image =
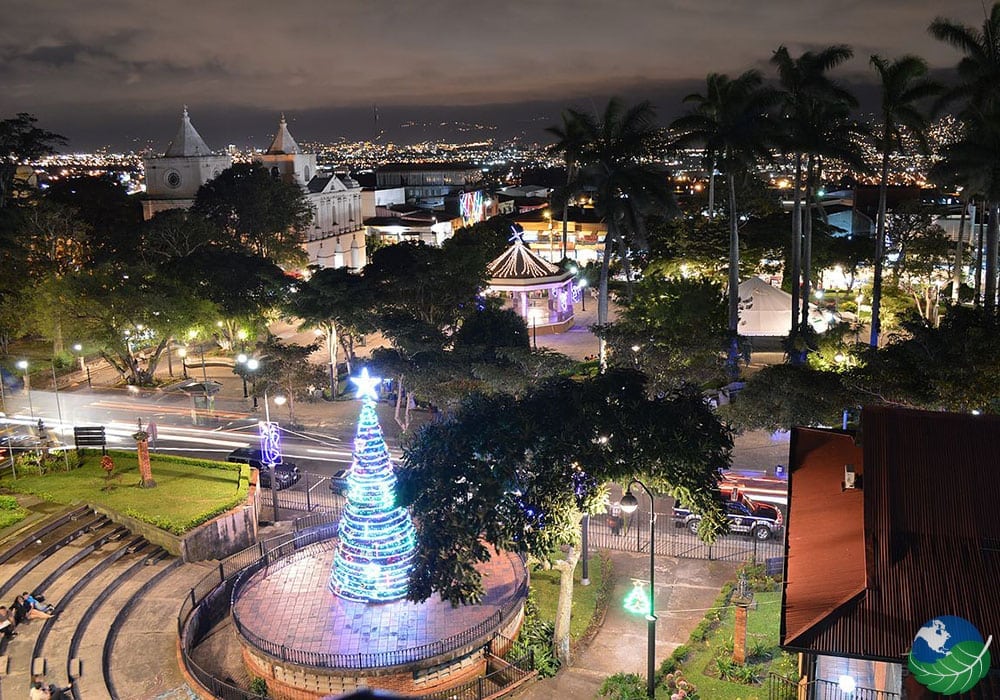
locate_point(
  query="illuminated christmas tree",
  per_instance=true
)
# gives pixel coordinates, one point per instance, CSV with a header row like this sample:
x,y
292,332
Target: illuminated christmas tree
x,y
377,540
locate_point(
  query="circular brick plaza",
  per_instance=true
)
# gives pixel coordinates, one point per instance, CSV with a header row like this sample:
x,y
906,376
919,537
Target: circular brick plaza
x,y
306,642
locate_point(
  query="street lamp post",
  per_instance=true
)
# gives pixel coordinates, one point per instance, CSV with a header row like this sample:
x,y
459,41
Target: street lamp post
x,y
629,504
23,366
182,353
243,359
252,365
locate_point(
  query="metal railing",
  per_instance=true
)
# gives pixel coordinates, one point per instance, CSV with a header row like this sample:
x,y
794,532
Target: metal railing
x,y
675,541
781,688
210,601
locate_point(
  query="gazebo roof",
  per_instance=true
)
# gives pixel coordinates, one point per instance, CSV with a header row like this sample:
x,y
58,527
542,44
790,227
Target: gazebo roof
x,y
519,267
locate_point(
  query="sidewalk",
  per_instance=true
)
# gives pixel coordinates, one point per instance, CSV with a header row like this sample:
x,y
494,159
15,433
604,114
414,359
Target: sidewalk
x,y
685,589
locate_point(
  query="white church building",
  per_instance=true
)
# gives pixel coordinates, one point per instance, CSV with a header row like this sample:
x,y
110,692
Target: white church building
x,y
336,236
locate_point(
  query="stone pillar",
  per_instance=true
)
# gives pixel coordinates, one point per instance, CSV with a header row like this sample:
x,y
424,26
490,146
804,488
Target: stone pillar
x,y
740,635
145,470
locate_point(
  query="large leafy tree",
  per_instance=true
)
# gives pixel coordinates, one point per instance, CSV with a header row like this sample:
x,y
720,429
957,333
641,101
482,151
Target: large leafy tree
x,y
110,214
500,471
176,234
674,330
260,213
21,142
903,86
731,121
131,314
337,303
953,367
786,395
613,154
285,369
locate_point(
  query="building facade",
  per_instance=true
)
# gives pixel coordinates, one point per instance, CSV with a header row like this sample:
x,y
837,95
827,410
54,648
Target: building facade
x,y
336,236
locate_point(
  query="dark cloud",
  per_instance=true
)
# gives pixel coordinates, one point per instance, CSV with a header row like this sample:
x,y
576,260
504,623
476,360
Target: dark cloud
x,y
130,65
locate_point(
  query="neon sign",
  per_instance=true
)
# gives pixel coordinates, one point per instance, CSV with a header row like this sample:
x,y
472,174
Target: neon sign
x,y
270,442
471,205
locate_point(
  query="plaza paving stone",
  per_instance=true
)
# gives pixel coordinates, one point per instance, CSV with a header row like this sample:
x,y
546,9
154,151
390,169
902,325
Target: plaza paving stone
x,y
292,605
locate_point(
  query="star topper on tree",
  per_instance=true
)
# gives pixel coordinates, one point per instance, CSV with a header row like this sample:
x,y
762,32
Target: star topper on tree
x,y
367,386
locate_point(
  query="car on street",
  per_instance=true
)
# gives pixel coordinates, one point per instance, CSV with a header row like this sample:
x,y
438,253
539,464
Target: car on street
x,y
285,474
338,481
746,516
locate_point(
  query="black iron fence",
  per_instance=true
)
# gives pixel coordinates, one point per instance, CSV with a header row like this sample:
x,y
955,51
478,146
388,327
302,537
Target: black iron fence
x,y
781,688
631,534
209,602
312,502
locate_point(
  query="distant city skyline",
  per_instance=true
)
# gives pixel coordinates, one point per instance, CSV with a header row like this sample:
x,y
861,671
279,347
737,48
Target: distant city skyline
x,y
117,73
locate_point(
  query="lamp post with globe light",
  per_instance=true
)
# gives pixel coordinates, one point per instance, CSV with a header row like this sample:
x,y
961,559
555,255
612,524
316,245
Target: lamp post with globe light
x,y
252,366
628,504
242,359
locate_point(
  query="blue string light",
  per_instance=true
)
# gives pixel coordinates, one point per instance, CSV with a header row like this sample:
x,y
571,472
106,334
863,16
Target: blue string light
x,y
377,540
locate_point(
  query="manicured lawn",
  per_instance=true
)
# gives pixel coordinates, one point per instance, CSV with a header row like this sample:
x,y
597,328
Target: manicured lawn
x,y
10,512
545,587
701,668
188,491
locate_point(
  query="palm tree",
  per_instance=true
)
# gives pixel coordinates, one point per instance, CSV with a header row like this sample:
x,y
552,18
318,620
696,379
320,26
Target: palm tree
x,y
976,156
613,156
832,134
903,85
568,144
805,84
730,122
979,90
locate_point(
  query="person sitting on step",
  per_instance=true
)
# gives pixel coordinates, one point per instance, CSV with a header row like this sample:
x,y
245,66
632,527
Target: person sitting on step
x,y
39,603
24,612
7,622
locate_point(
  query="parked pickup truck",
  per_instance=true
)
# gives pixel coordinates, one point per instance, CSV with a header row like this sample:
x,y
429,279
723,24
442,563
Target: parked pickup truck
x,y
745,516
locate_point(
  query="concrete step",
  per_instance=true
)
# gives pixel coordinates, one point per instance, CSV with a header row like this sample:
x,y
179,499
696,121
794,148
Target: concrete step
x,y
22,649
151,626
89,653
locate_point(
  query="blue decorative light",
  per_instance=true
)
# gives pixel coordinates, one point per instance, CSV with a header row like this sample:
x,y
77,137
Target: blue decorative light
x,y
270,442
377,540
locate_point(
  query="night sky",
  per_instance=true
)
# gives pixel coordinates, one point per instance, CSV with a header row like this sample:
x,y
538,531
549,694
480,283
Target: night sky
x,y
117,72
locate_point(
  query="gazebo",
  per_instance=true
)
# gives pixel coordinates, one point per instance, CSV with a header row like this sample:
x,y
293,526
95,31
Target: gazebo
x,y
540,292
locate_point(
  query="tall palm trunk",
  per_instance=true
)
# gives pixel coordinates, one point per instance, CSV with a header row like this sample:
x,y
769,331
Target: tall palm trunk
x,y
565,216
956,272
807,227
796,252
711,192
602,293
992,229
977,283
879,247
733,363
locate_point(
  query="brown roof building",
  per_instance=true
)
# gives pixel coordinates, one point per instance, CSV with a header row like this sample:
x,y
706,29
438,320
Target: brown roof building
x,y
917,538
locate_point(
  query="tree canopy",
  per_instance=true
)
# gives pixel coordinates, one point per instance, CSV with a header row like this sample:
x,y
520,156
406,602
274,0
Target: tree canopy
x,y
506,472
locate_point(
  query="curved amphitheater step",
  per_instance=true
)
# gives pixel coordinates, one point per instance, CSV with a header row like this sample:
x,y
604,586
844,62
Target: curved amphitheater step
x,y
75,560
145,640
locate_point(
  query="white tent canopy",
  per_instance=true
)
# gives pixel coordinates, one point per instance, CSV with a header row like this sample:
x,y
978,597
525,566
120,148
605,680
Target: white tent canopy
x,y
767,311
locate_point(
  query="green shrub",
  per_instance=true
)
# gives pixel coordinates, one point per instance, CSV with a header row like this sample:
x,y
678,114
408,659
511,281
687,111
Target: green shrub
x,y
624,686
11,511
535,638
673,662
258,686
